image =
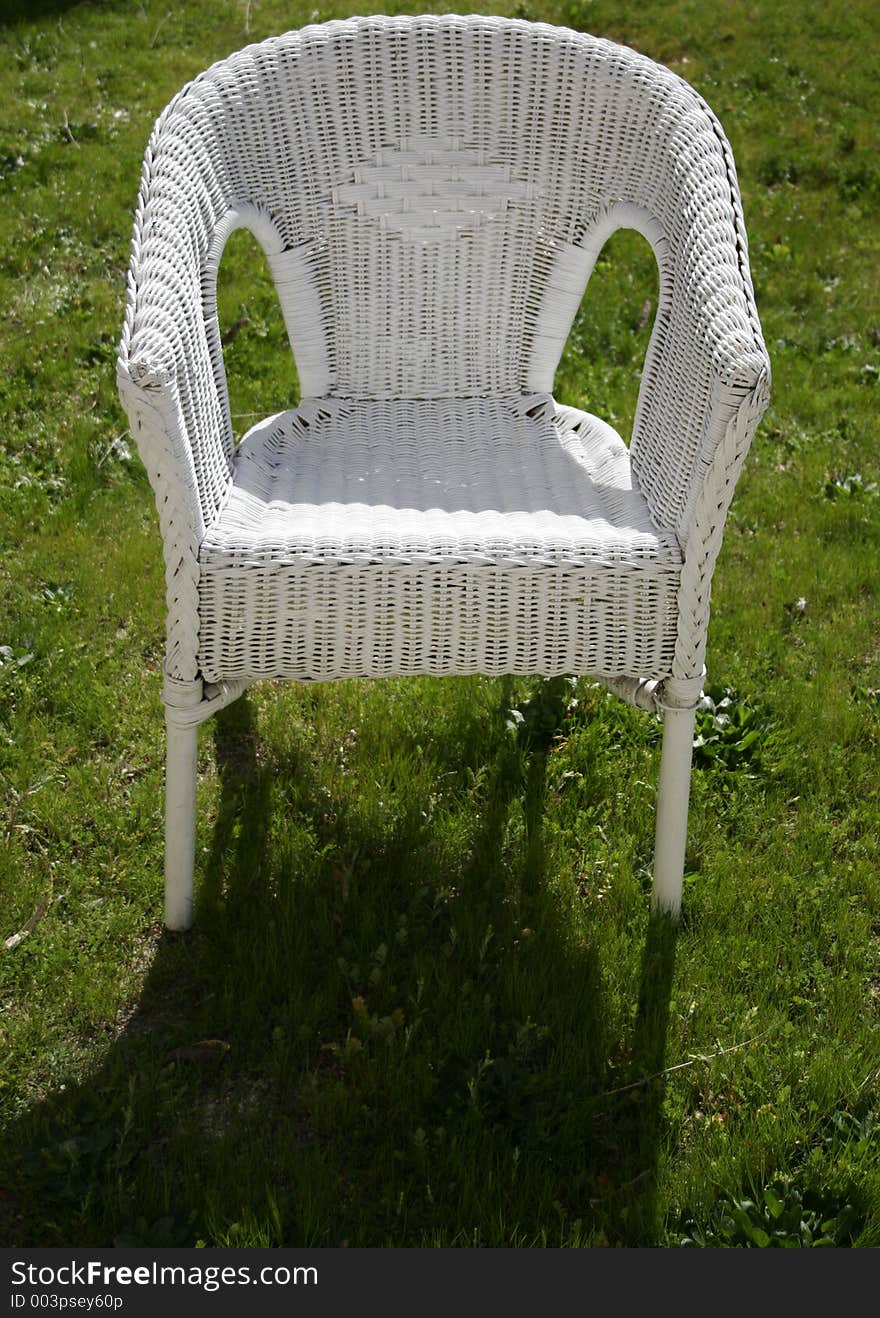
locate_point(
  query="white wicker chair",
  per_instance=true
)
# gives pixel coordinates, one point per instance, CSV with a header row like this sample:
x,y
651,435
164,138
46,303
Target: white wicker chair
x,y
431,195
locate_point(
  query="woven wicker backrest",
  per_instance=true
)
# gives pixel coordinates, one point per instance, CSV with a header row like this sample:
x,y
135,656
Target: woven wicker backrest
x,y
432,194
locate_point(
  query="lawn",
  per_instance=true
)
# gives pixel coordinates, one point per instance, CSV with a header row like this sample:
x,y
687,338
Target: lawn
x,y
423,1003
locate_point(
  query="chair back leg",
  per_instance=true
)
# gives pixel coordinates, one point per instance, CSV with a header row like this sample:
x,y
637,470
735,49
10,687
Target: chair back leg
x,y
180,823
672,808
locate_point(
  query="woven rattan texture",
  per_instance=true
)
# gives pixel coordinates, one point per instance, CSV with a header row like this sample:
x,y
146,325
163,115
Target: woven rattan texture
x,y
465,536
432,194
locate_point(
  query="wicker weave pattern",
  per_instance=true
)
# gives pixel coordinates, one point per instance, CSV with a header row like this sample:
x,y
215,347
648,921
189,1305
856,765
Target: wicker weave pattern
x,y
432,194
464,536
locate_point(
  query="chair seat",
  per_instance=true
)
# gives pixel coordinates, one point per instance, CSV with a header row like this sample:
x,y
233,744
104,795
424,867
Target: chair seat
x,y
368,538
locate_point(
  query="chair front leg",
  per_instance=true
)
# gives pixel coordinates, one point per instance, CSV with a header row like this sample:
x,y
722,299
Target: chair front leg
x,y
672,808
180,823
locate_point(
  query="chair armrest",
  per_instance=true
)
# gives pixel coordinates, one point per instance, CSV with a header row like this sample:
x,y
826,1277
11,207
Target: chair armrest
x,y
706,381
170,365
173,387
707,353
183,439
170,368
151,398
706,366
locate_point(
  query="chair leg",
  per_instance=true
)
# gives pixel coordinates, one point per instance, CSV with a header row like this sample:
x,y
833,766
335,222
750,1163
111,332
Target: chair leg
x,y
180,824
672,808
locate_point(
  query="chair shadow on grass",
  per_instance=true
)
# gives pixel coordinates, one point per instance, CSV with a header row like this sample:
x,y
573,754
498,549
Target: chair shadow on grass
x,y
372,1049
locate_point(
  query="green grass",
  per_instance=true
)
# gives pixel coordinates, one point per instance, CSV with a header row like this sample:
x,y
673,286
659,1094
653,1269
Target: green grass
x,y
422,946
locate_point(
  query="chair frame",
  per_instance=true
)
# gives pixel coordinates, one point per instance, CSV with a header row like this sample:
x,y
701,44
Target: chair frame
x,y
172,433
